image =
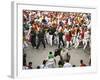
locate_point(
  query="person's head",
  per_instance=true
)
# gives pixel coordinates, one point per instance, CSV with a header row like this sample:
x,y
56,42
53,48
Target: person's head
x,y
67,61
38,67
74,66
81,61
43,16
57,52
44,62
50,52
30,63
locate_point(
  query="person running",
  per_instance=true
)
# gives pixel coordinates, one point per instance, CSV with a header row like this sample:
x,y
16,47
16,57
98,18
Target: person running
x,y
52,30
60,34
68,39
44,65
86,38
33,37
41,34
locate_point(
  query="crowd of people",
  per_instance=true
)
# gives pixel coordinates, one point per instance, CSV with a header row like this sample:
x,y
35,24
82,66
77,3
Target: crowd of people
x,y
62,29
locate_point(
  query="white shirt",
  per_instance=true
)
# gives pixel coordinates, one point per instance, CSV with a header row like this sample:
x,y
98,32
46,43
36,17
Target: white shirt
x,y
28,33
69,21
66,30
50,63
67,65
86,35
43,67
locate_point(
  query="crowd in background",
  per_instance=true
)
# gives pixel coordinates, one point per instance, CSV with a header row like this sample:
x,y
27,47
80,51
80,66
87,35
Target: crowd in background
x,y
63,29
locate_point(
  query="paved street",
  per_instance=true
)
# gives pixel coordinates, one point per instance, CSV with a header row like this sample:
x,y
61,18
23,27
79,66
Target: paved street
x,y
36,56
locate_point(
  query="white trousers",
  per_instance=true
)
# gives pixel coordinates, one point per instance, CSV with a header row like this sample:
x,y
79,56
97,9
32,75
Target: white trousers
x,y
73,39
47,38
50,39
56,40
76,43
68,43
25,44
85,41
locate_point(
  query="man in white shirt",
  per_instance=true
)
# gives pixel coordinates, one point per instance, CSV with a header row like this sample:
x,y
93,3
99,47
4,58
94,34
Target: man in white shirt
x,y
67,64
44,65
86,39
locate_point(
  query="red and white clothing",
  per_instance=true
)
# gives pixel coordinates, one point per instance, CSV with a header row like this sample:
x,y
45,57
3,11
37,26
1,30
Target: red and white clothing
x,y
86,39
81,34
68,38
